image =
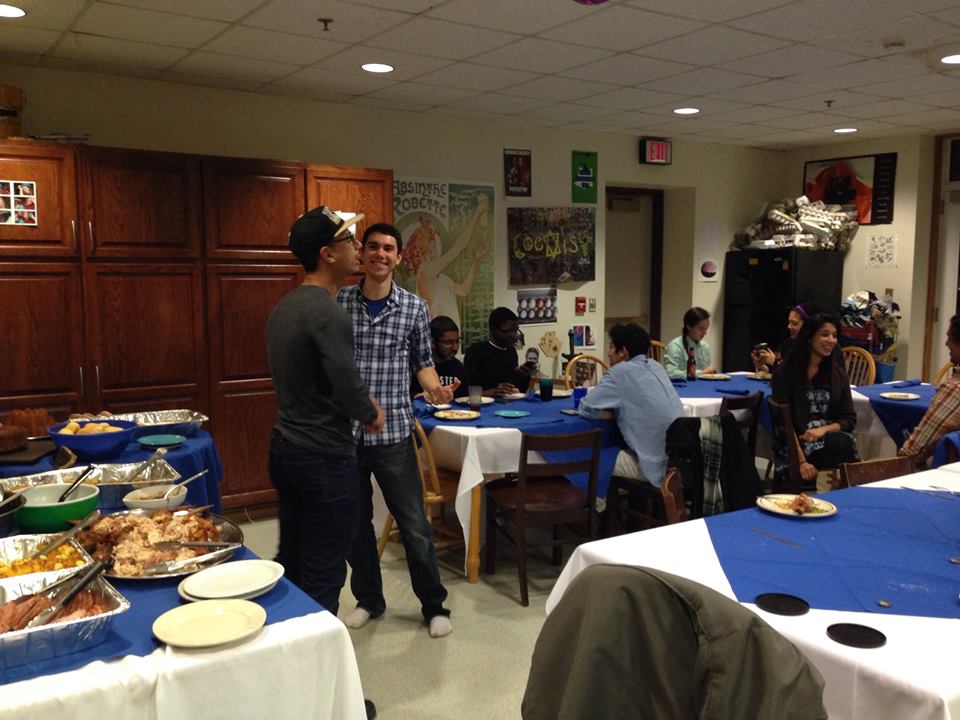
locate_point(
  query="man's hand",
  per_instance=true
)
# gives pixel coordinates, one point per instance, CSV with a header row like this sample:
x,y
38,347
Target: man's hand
x,y
441,394
709,370
504,389
376,425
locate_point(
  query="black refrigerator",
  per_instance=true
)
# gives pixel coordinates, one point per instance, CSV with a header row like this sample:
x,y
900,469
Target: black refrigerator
x,y
760,287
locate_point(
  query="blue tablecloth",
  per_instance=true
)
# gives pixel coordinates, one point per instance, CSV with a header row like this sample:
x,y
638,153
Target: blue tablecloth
x,y
196,454
545,418
131,632
941,453
883,544
736,386
899,417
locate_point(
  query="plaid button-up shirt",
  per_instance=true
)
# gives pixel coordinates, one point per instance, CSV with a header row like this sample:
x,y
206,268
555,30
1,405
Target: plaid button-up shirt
x,y
388,348
942,417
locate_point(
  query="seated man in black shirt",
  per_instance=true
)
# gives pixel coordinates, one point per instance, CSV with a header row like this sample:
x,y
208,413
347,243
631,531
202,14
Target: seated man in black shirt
x,y
445,341
493,363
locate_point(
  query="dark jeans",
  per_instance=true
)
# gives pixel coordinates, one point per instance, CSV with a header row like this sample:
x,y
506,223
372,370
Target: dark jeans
x,y
395,467
317,507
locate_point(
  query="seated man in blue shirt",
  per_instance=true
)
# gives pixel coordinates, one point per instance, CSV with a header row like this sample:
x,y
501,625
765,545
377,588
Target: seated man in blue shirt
x,y
641,397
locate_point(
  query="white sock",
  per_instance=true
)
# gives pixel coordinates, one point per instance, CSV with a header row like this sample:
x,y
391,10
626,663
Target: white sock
x,y
440,625
356,618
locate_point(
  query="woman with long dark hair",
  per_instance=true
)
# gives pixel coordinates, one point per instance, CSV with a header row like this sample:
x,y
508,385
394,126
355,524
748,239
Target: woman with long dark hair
x,y
696,322
818,391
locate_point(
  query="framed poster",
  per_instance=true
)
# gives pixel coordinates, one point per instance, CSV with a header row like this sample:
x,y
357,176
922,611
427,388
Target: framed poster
x,y
551,245
866,181
584,180
517,173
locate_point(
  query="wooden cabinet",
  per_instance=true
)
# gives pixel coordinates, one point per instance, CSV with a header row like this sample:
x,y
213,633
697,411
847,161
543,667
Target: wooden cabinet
x,y
244,408
350,189
52,170
145,339
249,206
139,204
41,331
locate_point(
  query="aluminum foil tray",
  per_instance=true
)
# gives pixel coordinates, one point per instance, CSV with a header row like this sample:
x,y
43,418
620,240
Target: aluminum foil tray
x,y
50,641
173,422
19,546
109,477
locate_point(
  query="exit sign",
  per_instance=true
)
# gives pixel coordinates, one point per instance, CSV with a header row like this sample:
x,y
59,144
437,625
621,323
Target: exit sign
x,y
656,152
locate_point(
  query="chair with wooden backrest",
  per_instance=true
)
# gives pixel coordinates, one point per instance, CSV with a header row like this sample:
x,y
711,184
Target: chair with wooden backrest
x,y
582,368
870,471
944,373
656,351
671,492
783,418
543,497
748,421
439,487
861,369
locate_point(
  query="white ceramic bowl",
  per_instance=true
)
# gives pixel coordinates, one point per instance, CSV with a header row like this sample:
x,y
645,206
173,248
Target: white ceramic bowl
x,y
148,498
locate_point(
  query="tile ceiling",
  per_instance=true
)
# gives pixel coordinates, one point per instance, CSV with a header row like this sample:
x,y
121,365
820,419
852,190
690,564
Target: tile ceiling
x,y
768,73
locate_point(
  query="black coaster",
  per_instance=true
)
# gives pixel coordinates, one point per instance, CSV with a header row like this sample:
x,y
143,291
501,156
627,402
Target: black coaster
x,y
858,636
782,604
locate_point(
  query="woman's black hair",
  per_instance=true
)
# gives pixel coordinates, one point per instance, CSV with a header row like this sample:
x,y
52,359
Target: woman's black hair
x,y
690,318
797,360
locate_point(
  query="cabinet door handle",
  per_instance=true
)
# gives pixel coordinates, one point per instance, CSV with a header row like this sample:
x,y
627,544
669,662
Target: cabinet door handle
x,y
97,370
73,229
90,230
80,368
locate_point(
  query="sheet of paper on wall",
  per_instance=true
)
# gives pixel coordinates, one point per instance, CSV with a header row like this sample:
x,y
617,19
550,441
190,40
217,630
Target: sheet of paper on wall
x,y
882,250
18,202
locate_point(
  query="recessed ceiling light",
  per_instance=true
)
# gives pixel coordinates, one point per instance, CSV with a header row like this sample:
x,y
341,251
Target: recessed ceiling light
x,y
686,111
11,11
845,131
951,59
377,67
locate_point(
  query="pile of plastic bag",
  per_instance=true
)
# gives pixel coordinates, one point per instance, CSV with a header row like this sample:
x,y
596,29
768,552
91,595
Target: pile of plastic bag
x,y
870,322
800,223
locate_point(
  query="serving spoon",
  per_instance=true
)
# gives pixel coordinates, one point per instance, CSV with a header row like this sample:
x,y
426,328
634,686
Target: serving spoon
x,y
184,482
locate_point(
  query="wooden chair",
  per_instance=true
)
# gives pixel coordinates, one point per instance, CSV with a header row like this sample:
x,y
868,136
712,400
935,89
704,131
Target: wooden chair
x,y
543,497
870,471
671,493
582,368
783,419
656,351
861,369
750,420
944,373
439,488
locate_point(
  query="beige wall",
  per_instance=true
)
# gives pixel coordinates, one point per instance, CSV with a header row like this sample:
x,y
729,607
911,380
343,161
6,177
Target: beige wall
x,y
712,189
911,223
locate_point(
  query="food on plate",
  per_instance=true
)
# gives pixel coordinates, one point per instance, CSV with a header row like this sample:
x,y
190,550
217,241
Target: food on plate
x,y
65,556
457,414
90,428
34,420
130,538
15,614
801,504
12,437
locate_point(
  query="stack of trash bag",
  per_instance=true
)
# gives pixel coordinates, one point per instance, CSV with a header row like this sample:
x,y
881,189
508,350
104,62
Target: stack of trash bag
x,y
800,223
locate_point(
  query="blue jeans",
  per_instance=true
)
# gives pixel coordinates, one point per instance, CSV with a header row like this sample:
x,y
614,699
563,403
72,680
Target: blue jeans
x,y
395,467
317,504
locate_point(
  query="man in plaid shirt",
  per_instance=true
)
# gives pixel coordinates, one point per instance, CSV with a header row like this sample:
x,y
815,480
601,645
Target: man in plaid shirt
x,y
943,415
392,338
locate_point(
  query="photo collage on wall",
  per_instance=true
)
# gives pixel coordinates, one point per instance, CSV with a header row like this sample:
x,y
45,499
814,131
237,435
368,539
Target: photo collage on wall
x,y
18,202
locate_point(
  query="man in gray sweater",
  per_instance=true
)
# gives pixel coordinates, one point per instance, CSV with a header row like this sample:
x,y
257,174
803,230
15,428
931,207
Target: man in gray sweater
x,y
313,460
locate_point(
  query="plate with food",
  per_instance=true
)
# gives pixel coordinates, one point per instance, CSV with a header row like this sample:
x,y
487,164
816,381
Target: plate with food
x,y
457,414
713,376
762,376
466,401
899,396
131,538
562,392
801,505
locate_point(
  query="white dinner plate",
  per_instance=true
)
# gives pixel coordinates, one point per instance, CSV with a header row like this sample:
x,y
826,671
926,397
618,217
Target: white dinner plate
x,y
562,392
713,376
234,580
515,396
445,406
899,396
778,504
466,401
209,622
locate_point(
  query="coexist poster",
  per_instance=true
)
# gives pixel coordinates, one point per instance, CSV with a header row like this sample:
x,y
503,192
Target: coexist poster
x,y
551,245
448,239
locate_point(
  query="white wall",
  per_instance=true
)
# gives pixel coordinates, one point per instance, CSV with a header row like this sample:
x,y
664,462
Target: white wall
x,y
628,238
709,186
911,223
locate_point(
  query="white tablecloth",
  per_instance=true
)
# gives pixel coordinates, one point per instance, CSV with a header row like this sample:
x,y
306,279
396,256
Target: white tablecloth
x,y
913,677
296,669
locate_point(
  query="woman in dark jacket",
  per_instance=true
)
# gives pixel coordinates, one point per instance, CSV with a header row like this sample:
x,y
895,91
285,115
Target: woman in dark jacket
x,y
818,391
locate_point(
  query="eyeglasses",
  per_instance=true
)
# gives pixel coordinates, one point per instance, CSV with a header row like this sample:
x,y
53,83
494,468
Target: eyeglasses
x,y
349,237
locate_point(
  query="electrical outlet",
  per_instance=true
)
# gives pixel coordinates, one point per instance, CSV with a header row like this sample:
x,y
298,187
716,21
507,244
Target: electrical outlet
x,y
593,304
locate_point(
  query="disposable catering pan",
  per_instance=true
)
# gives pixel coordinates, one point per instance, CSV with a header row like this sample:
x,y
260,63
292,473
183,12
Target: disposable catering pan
x,y
19,547
49,641
169,422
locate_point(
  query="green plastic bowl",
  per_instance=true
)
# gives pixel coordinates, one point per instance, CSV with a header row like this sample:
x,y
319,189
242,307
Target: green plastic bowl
x,y
42,512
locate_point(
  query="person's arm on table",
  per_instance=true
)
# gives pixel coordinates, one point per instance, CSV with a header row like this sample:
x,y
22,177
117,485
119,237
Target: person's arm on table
x,y
603,400
941,418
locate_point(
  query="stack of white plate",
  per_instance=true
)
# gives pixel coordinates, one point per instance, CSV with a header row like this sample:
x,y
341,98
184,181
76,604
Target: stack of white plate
x,y
239,580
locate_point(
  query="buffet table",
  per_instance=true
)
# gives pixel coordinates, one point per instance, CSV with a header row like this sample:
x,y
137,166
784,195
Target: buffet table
x,y
913,675
300,665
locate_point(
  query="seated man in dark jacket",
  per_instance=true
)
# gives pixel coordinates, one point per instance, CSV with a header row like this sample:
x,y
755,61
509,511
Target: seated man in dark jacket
x,y
493,363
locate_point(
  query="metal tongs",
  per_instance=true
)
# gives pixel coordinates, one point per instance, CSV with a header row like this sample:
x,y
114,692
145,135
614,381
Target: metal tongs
x,y
139,469
177,544
64,537
91,574
176,565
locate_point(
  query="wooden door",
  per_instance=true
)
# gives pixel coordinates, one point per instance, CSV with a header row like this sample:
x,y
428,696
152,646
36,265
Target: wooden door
x,y
145,336
38,190
350,189
41,333
244,408
249,206
139,204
